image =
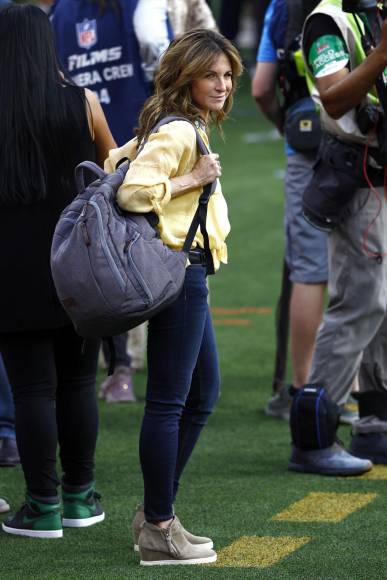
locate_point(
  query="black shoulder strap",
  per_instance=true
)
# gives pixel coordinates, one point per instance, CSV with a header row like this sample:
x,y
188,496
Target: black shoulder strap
x,y
295,21
308,7
200,219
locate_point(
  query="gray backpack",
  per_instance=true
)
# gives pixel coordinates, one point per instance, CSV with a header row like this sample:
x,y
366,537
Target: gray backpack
x,y
110,268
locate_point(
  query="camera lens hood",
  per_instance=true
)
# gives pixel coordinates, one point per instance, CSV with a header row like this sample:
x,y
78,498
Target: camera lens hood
x,y
356,6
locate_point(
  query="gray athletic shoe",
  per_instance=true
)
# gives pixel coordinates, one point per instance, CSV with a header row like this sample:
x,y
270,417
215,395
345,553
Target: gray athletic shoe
x,y
166,547
372,446
333,460
139,519
278,405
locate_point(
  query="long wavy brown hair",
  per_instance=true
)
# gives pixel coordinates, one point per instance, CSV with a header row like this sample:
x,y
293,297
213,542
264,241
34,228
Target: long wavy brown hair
x,y
187,58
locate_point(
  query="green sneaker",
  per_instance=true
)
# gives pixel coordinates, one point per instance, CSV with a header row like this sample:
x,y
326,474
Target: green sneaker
x,y
36,519
81,507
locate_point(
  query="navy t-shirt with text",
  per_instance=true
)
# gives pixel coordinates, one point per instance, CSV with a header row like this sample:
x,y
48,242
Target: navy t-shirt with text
x,y
100,51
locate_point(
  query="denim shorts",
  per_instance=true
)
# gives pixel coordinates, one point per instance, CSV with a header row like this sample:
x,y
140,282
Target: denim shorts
x,y
306,250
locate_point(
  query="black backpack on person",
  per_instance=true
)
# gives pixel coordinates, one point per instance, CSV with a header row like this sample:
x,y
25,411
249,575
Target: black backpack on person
x,y
302,121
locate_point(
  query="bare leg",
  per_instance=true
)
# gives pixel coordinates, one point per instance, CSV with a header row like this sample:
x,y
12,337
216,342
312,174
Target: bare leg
x,y
306,310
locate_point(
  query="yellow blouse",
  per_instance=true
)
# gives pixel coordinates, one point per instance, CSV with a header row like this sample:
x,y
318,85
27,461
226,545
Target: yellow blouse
x,y
171,152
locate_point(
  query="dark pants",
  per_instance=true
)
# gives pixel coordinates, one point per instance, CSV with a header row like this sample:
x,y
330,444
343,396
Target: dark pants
x,y
183,386
7,410
122,358
54,392
230,16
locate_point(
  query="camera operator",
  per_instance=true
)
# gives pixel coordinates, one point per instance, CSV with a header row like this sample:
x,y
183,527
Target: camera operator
x,y
346,195
305,247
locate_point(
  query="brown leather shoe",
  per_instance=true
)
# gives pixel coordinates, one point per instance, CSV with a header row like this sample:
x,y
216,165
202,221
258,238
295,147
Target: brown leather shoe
x,y
118,388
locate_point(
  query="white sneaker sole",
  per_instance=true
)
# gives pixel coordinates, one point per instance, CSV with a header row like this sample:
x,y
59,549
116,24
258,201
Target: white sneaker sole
x,y
33,533
171,562
82,522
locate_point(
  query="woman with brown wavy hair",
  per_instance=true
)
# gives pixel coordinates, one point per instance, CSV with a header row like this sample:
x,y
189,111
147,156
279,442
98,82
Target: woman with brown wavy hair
x,y
196,80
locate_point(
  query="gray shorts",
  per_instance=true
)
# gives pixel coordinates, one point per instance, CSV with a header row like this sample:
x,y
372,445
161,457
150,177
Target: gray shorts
x,y
306,250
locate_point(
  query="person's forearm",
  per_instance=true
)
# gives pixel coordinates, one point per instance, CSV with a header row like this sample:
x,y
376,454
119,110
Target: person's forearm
x,y
272,110
183,184
264,92
206,170
348,92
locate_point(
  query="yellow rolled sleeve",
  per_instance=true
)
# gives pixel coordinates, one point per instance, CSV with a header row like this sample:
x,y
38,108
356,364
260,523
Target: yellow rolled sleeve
x,y
147,191
168,153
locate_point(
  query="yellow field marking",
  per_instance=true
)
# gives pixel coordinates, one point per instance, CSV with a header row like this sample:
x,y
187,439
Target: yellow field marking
x,y
325,507
232,322
377,472
244,310
258,551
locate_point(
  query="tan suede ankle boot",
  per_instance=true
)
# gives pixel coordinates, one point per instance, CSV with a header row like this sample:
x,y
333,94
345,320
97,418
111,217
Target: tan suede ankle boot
x,y
163,547
139,519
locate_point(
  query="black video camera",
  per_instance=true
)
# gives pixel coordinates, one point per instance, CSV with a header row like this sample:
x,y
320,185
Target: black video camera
x,y
359,6
372,13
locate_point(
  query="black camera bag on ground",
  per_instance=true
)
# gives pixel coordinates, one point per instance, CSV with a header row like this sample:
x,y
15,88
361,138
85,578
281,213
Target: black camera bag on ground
x,y
313,419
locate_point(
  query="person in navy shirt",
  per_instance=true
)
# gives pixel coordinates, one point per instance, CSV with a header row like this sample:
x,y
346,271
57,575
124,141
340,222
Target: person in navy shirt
x,y
99,49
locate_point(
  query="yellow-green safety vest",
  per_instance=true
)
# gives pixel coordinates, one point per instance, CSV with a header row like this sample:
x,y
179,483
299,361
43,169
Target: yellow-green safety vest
x,y
345,127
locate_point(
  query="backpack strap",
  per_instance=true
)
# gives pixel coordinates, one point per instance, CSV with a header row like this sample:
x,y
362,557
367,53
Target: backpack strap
x,y
112,354
79,173
202,146
200,219
295,21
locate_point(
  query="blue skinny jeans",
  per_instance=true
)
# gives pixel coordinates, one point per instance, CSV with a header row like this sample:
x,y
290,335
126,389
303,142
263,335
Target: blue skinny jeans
x,y
182,389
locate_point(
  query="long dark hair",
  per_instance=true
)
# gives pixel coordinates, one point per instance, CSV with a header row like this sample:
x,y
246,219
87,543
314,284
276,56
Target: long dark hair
x,y
41,117
187,58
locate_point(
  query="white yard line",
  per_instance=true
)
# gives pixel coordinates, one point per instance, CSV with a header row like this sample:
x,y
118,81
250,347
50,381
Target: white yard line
x,y
261,136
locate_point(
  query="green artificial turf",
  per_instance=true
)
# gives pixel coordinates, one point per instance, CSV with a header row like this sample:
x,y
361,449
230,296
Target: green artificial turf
x,y
237,479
